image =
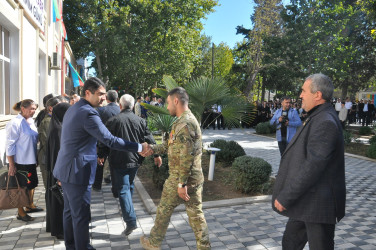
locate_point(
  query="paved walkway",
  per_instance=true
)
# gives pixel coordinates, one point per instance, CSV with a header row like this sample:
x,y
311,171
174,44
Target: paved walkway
x,y
250,226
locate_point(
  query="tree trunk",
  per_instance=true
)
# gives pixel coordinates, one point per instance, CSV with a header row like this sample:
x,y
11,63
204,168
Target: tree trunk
x,y
345,88
263,91
100,73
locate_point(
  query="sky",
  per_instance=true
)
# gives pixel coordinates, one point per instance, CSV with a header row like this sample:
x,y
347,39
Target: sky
x,y
221,24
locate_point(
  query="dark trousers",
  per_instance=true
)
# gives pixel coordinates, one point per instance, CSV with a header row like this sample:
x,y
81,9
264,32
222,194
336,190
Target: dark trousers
x,y
99,176
76,216
318,235
220,122
282,145
124,186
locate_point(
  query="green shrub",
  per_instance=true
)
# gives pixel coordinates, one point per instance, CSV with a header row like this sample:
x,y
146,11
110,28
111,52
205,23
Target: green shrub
x,y
229,150
160,174
365,131
347,137
371,152
372,140
265,128
250,174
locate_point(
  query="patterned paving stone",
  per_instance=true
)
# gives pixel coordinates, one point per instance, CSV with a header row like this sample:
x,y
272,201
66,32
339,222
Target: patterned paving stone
x,y
248,226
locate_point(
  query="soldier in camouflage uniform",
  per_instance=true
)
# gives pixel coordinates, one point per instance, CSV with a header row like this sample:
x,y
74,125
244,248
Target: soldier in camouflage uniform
x,y
186,179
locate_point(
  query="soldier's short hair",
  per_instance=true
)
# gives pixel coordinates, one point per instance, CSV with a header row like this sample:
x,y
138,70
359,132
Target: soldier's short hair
x,y
181,94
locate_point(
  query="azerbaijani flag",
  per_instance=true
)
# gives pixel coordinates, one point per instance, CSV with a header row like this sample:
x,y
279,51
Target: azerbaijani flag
x,y
77,80
55,11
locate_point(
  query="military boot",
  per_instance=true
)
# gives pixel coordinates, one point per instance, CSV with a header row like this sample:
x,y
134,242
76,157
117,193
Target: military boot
x,y
145,243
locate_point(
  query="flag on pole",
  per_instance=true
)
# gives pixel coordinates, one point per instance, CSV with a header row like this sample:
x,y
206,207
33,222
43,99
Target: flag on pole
x,y
77,80
55,11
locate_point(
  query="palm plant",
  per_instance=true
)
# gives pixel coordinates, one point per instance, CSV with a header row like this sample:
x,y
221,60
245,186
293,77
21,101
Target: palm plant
x,y
203,94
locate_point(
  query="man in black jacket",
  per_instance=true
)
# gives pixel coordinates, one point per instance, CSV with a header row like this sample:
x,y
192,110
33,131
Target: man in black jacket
x,y
124,165
105,113
310,185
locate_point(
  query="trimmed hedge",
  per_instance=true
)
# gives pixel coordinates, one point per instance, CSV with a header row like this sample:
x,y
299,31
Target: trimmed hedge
x,y
251,174
229,150
265,128
347,137
371,152
365,131
372,140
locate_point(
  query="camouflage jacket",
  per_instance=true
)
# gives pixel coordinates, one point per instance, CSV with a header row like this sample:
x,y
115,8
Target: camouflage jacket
x,y
184,149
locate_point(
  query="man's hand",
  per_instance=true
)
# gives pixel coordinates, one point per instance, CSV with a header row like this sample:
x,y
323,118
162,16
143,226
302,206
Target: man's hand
x,y
183,193
287,123
279,206
100,161
12,169
158,161
280,119
146,150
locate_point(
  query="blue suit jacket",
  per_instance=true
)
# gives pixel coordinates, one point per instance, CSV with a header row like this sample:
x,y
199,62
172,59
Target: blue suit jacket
x,y
108,111
77,159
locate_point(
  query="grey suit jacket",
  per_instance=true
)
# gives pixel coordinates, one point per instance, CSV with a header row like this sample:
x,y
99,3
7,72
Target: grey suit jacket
x,y
310,182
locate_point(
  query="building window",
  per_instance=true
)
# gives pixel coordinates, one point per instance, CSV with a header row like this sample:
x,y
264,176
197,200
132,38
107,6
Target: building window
x,y
4,72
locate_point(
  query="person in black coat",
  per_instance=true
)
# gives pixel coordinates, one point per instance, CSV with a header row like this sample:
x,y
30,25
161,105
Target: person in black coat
x,y
310,185
105,113
124,165
54,209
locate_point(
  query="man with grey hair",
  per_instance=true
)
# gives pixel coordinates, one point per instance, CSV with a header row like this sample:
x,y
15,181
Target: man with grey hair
x,y
124,165
310,185
105,113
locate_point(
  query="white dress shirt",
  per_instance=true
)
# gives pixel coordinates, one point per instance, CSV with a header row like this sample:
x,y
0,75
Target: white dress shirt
x,y
365,109
348,105
21,140
338,106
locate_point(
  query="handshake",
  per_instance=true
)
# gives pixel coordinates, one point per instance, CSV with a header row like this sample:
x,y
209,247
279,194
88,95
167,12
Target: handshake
x,y
146,150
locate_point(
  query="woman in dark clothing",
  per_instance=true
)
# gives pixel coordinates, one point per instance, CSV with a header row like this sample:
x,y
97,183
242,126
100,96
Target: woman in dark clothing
x,y
54,213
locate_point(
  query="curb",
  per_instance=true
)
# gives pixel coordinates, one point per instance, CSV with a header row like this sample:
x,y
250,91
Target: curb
x,y
151,208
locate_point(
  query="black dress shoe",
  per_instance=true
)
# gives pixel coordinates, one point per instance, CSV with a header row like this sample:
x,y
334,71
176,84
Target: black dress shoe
x,y
33,210
129,230
60,236
25,218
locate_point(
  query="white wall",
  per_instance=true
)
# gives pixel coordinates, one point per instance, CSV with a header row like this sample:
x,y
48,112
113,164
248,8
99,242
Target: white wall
x,y
29,62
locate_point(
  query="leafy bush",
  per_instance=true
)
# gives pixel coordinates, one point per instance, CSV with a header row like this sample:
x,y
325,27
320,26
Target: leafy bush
x,y
160,174
371,152
229,150
365,131
265,128
250,174
372,140
347,137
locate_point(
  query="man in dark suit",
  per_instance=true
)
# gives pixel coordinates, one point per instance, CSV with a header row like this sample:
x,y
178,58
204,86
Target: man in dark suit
x,y
105,113
77,160
310,185
124,165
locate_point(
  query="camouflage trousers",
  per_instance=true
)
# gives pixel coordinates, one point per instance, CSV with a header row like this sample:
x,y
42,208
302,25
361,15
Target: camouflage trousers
x,y
169,201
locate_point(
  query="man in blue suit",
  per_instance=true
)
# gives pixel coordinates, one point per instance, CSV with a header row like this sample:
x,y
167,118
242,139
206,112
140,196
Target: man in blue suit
x,y
77,160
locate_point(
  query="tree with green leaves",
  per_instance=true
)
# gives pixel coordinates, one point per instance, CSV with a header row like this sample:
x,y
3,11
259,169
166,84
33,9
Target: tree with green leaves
x,y
136,42
266,22
222,63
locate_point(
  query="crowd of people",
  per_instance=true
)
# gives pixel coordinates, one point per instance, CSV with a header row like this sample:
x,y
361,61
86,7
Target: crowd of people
x,y
76,136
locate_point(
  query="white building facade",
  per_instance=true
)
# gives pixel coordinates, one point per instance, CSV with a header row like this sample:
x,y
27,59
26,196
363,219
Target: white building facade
x,y
33,56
